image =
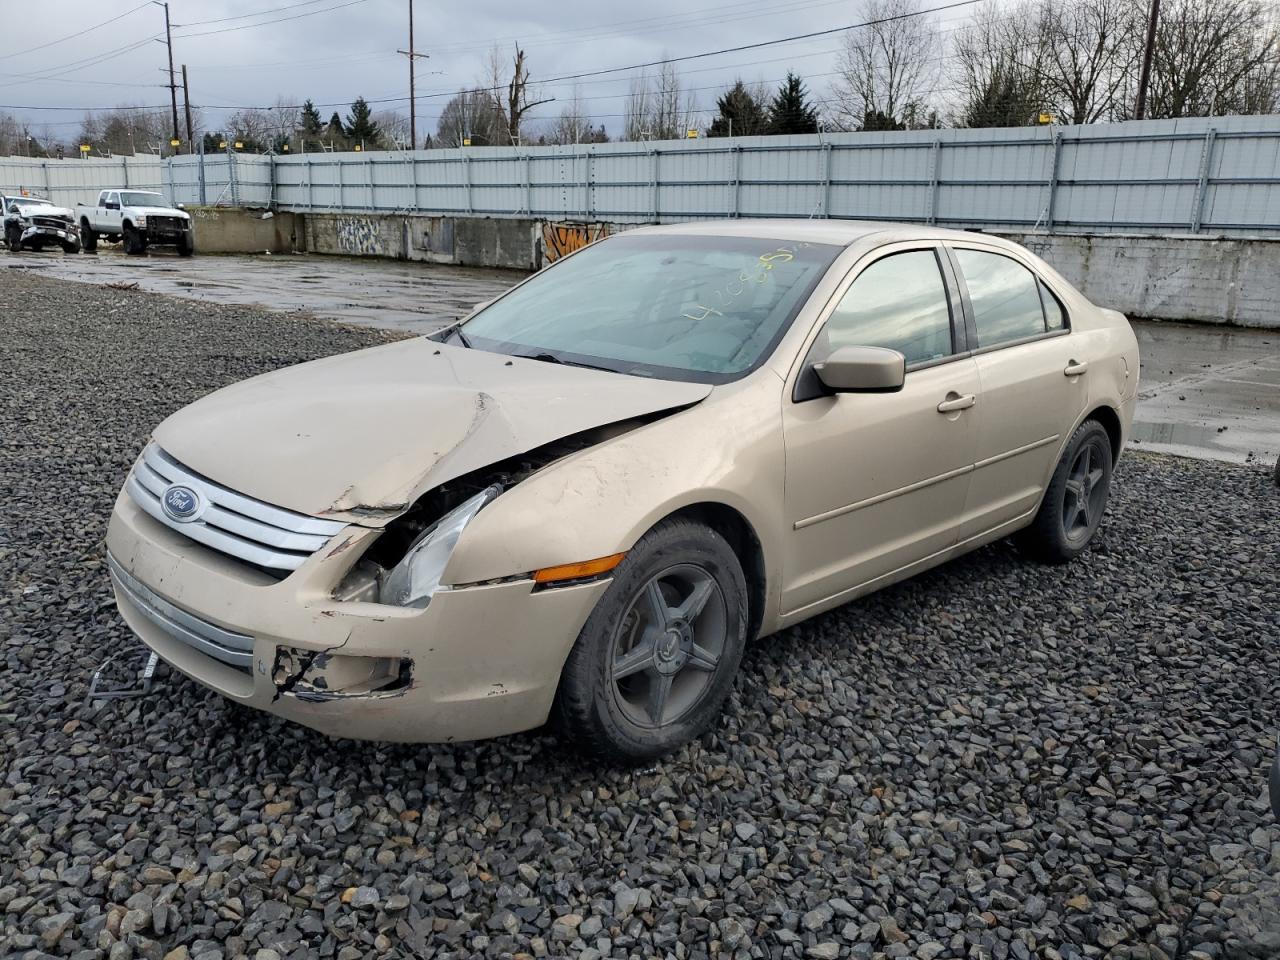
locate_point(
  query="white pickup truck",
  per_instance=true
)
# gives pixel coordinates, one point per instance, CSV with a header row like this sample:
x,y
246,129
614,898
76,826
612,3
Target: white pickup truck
x,y
140,218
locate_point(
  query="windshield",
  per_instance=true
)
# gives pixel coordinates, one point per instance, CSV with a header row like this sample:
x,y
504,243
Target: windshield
x,y
701,308
31,202
130,199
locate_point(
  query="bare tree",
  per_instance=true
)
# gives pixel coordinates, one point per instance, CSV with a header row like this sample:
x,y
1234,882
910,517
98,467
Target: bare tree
x,y
1000,67
1213,57
658,108
472,115
394,126
887,70
573,125
1087,49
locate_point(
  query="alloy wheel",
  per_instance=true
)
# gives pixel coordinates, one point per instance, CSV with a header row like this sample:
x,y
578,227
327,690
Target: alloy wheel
x,y
1085,495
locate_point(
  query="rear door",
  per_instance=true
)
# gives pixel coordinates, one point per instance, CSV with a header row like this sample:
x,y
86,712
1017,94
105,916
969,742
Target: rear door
x,y
1034,386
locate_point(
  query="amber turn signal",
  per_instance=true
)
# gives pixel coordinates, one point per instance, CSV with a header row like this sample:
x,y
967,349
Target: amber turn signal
x,y
576,571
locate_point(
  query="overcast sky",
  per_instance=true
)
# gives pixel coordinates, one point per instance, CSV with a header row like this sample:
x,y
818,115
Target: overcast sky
x,y
335,50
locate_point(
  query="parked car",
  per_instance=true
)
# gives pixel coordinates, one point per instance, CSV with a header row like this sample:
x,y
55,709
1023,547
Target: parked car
x,y
33,223
138,218
580,503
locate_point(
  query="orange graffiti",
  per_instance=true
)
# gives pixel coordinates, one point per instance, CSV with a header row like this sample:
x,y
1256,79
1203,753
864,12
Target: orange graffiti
x,y
561,239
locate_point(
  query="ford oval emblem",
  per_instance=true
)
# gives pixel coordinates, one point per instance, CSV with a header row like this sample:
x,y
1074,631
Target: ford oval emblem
x,y
180,503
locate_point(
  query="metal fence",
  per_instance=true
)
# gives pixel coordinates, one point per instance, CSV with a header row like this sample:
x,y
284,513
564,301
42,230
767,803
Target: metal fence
x,y
1218,175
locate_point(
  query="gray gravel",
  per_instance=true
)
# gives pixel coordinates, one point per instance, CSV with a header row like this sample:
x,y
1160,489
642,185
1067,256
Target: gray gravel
x,y
993,760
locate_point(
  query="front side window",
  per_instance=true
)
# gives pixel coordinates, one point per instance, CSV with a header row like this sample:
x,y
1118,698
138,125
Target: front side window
x,y
703,308
899,302
1005,297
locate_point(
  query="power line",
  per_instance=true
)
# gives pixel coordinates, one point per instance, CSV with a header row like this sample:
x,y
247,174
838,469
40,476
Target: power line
x,y
79,33
264,23
250,16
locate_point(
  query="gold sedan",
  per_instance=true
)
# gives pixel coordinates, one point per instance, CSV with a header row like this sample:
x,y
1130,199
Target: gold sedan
x,y
583,501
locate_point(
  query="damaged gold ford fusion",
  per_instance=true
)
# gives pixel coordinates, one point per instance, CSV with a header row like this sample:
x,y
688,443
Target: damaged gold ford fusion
x,y
581,502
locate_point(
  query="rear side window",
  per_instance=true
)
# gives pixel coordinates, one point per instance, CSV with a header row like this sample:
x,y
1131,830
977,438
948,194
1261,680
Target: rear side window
x,y
898,302
1005,297
1055,317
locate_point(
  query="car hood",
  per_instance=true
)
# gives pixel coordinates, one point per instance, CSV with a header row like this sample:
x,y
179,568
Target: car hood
x,y
29,212
162,212
361,436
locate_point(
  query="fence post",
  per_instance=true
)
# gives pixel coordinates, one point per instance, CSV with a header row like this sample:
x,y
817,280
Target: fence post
x,y
1206,164
204,197
232,182
735,183
124,165
48,185
528,184
1053,181
413,177
586,195
934,155
311,198
342,194
653,183
826,181
466,178
271,181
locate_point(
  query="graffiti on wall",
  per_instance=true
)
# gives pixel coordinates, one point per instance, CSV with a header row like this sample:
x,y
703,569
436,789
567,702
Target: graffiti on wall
x,y
561,239
359,235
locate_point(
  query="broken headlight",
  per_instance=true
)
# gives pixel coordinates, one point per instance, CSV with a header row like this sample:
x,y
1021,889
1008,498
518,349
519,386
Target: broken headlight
x,y
415,579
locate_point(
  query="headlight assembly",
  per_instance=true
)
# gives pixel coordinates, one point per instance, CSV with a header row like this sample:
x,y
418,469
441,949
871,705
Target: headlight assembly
x,y
415,579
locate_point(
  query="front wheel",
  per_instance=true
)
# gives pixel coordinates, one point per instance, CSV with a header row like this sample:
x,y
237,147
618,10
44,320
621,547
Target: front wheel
x,y
186,244
1071,511
134,243
71,246
13,239
654,662
88,239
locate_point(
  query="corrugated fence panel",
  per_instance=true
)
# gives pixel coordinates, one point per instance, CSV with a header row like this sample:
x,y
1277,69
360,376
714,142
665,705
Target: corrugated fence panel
x,y
1213,174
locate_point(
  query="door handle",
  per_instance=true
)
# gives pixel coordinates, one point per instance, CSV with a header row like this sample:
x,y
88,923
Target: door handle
x,y
1076,367
954,403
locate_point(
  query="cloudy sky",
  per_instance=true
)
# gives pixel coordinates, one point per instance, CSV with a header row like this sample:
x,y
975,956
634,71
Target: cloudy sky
x,y
243,53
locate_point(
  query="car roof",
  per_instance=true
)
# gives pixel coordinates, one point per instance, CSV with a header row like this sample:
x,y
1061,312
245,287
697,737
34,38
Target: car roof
x,y
839,232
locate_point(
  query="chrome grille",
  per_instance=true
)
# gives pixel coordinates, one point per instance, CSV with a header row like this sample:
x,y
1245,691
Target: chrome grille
x,y
226,521
58,223
210,639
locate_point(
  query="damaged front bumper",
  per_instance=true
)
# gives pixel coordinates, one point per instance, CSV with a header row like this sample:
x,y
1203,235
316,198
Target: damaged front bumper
x,y
66,233
478,662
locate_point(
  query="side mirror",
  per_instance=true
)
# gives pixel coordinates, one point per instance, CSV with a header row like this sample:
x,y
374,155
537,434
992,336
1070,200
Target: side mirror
x,y
862,370
181,206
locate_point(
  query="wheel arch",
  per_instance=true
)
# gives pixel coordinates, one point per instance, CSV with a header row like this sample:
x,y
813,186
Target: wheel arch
x,y
745,542
1106,415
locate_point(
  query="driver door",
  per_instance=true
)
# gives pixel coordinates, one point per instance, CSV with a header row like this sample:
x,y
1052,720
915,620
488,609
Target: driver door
x,y
876,482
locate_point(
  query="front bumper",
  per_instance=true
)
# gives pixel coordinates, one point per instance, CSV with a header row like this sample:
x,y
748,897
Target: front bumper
x,y
485,660
67,234
165,233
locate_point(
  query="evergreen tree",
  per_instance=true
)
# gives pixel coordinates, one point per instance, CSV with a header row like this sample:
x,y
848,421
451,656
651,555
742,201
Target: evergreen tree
x,y
334,133
360,126
312,127
790,111
878,120
741,114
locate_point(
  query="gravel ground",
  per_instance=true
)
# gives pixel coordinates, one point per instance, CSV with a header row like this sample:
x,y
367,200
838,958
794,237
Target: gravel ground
x,y
993,760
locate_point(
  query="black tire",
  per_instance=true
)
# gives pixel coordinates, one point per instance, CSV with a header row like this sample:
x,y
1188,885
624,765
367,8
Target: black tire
x,y
88,239
134,243
71,246
13,239
1075,500
592,709
186,244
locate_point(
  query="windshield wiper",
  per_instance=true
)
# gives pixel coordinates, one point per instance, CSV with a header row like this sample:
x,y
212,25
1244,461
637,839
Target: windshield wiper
x,y
552,358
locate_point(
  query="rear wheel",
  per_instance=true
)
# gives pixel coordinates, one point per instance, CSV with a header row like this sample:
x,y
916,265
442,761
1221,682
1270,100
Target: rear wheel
x,y
134,243
88,239
1072,509
655,661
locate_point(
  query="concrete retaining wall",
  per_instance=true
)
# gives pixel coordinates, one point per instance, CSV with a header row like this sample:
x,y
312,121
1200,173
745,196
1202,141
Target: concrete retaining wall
x,y
1160,277
1170,277
245,230
466,241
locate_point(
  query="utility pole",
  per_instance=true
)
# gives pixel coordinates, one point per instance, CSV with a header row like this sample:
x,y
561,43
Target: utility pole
x,y
413,102
186,103
173,86
1144,79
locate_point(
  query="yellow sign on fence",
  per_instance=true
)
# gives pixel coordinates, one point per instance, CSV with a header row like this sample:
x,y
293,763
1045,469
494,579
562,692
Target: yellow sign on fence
x,y
691,134
85,148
